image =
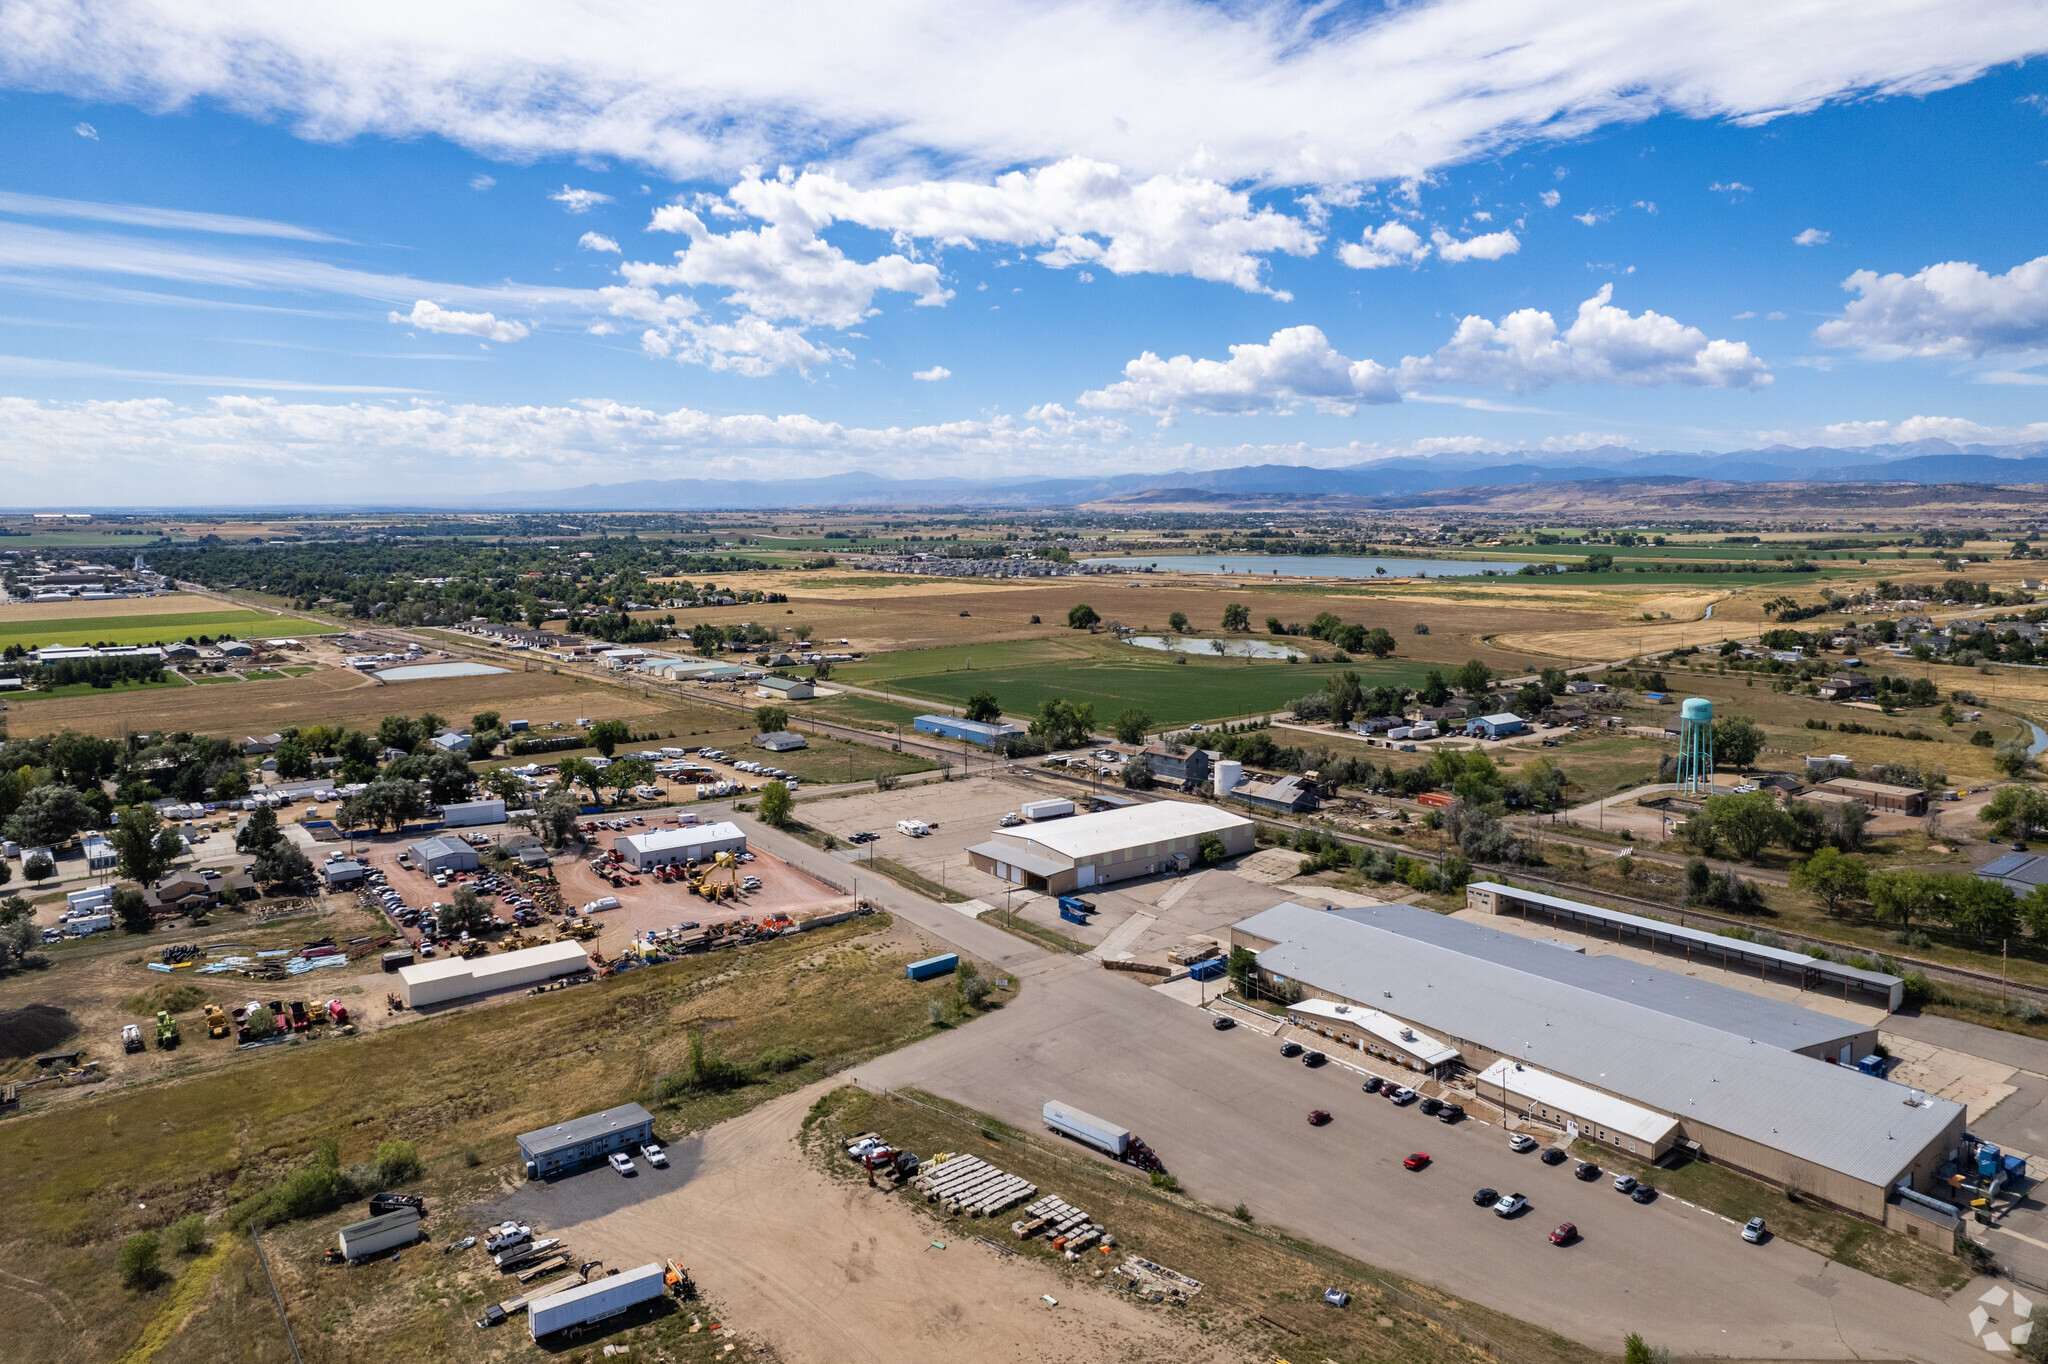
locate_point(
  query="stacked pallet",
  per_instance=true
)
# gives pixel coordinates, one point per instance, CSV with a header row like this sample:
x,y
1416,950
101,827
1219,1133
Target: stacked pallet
x,y
971,1185
1065,1225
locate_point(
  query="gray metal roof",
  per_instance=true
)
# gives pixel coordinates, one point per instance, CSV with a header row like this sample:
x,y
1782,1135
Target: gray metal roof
x,y
1681,996
1877,981
2017,869
1830,1116
1037,863
589,1127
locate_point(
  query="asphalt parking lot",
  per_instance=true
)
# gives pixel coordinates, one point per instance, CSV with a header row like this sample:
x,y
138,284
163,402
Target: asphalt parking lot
x,y
547,1205
1229,1116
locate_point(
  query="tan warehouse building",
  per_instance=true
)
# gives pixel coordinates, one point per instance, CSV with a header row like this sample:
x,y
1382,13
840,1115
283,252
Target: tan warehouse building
x,y
1063,855
1636,1058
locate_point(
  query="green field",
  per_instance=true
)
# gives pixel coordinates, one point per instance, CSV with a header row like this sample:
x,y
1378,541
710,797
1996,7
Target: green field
x,y
864,712
88,689
31,634
1025,675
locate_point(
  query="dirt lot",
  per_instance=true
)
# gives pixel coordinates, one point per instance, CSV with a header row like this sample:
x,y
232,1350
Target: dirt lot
x,y
824,1270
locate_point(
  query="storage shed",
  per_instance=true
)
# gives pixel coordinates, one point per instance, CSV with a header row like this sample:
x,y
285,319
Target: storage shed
x,y
448,979
697,843
579,1141
341,873
443,854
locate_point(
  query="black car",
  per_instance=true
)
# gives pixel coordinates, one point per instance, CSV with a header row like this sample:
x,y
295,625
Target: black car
x,y
1587,1170
1485,1198
1313,1059
1223,1024
1450,1113
1643,1193
1290,1049
1372,1086
1430,1107
1552,1155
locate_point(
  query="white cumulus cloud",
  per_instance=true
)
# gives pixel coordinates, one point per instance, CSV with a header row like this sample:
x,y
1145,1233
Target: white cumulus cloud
x,y
1297,366
1729,187
1953,308
1812,236
86,131
783,270
933,375
1388,244
1550,198
597,241
579,200
1490,246
430,316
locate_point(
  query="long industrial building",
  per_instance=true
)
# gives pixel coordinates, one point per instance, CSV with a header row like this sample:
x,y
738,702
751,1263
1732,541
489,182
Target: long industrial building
x,y
690,843
1091,850
1628,1055
453,978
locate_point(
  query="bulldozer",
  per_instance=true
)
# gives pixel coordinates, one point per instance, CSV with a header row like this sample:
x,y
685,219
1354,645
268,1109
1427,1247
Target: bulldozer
x,y
216,1021
166,1030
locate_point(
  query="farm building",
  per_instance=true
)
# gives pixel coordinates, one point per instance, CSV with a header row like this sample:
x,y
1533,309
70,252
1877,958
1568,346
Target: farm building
x,y
1091,850
691,843
989,734
468,812
785,688
443,854
448,979
579,1141
1637,1058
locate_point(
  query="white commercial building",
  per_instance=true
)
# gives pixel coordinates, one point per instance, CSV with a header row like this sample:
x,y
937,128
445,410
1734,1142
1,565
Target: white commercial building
x,y
453,978
469,812
695,843
1091,850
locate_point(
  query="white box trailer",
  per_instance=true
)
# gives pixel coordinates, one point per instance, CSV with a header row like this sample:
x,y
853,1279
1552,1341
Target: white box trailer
x,y
465,813
1046,809
378,1234
586,1303
1087,1128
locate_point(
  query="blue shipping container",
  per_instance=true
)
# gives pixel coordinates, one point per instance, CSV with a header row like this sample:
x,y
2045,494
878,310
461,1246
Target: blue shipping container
x,y
1207,970
1072,916
932,966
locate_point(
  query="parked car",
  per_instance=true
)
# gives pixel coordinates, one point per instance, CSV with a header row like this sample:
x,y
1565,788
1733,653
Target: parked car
x,y
1290,1049
1450,1113
1416,1161
1318,1116
1509,1205
656,1157
1586,1170
1521,1143
1313,1059
1485,1198
623,1163
1401,1096
1430,1107
1643,1193
1565,1234
1754,1231
1624,1183
1222,1023
1372,1085
1553,1155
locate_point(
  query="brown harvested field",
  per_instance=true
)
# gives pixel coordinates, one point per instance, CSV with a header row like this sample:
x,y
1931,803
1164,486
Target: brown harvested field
x,y
176,604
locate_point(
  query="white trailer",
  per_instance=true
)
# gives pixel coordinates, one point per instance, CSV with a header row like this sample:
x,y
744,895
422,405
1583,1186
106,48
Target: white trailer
x,y
379,1234
595,1301
1046,809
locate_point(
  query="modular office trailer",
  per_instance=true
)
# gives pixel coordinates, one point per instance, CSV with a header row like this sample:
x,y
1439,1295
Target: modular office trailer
x,y
595,1301
578,1141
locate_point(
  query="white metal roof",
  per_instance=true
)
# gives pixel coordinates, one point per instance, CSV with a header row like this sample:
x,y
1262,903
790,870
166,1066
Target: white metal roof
x,y
1392,1031
644,1274
1633,1045
1113,830
484,969
688,836
1504,718
1566,1096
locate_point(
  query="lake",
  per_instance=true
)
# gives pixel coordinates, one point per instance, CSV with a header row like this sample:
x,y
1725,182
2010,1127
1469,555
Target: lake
x,y
1313,566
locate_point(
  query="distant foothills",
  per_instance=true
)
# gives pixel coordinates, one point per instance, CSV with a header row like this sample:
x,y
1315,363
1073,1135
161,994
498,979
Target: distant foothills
x,y
1389,482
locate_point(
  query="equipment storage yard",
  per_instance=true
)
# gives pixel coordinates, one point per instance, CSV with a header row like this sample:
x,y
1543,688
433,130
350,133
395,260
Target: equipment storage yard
x,y
655,905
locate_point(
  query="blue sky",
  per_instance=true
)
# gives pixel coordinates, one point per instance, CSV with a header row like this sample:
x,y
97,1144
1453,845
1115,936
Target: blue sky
x,y
519,256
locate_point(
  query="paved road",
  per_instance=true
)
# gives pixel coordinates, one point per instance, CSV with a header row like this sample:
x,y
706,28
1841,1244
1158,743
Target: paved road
x,y
1228,1115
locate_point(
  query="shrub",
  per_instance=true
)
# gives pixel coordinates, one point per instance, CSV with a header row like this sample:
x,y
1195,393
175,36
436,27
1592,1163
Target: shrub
x,y
970,985
188,1233
138,1261
1918,990
397,1162
782,1060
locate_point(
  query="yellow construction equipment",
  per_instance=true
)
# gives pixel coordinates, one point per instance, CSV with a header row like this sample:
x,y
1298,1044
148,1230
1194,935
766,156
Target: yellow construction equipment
x,y
721,881
216,1021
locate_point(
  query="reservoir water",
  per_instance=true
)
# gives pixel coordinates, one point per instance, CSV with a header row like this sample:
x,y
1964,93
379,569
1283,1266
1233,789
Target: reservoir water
x,y
1313,566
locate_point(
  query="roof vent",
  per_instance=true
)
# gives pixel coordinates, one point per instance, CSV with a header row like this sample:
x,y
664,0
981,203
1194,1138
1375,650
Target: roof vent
x,y
1407,1034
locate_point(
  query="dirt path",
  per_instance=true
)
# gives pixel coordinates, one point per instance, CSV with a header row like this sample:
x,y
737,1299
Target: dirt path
x,y
819,1270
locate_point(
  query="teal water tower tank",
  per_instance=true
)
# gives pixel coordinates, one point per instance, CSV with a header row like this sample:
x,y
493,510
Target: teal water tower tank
x,y
1696,746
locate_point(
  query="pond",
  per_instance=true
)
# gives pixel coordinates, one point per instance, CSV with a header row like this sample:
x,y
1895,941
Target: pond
x,y
414,672
1219,648
1313,566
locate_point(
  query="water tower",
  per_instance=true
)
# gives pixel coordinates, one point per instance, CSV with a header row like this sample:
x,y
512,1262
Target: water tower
x,y
1696,746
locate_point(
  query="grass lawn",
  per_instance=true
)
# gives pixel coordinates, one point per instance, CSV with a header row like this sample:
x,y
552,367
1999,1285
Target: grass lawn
x,y
75,1175
207,681
153,629
171,680
1261,1289
863,712
1026,674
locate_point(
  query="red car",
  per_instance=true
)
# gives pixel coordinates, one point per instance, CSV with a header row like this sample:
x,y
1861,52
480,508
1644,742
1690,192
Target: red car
x,y
1318,1116
1565,1234
1416,1161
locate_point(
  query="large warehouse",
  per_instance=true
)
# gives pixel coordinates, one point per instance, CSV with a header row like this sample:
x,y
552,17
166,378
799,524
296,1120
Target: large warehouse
x,y
691,843
1632,1056
1091,850
452,978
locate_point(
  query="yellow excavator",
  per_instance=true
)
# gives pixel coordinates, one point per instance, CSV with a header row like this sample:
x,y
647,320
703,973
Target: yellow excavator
x,y
721,880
